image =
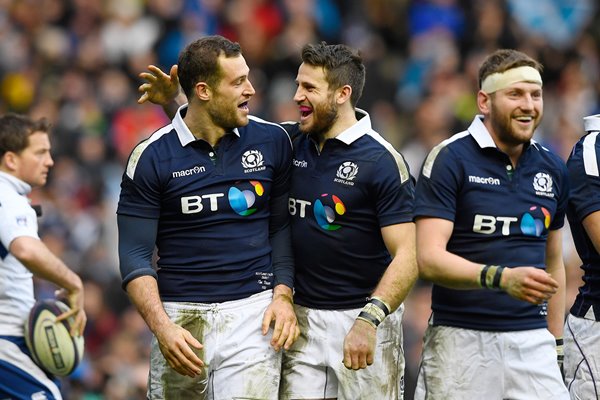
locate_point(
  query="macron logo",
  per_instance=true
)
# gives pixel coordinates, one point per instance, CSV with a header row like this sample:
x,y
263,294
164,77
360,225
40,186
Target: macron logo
x,y
188,172
484,181
300,163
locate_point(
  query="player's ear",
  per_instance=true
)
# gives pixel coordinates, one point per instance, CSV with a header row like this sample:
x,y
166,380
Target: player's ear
x,y
484,102
343,94
203,91
10,160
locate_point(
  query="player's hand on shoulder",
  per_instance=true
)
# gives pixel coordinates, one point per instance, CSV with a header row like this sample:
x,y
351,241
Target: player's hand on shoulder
x,y
530,284
159,87
280,313
359,345
177,346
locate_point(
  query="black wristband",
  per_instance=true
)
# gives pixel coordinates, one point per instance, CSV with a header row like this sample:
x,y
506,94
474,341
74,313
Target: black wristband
x,y
369,318
560,341
484,271
497,277
380,304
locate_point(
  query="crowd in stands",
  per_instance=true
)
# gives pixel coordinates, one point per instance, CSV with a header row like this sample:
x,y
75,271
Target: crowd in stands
x,y
76,62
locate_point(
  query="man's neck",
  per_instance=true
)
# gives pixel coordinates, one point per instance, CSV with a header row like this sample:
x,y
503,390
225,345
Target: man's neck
x,y
202,127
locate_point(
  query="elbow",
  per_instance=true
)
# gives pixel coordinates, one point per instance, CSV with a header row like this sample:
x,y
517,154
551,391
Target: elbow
x,y
425,266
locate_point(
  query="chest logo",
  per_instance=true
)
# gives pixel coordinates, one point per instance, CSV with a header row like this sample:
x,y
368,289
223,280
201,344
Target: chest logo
x,y
542,184
242,198
253,161
326,209
346,173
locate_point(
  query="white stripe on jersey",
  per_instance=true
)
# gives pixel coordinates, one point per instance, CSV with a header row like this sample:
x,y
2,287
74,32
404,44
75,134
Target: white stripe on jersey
x,y
428,165
402,168
590,161
139,149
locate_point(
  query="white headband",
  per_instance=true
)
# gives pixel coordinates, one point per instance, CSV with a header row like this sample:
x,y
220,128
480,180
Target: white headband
x,y
502,80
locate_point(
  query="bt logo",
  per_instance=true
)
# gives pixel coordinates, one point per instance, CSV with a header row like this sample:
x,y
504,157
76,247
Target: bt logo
x,y
241,199
532,223
325,210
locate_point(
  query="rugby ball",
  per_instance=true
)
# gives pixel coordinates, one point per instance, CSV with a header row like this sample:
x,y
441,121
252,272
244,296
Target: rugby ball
x,y
51,345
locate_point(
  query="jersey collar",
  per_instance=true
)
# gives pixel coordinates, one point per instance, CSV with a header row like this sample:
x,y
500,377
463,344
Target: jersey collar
x,y
356,131
183,132
21,187
592,123
483,138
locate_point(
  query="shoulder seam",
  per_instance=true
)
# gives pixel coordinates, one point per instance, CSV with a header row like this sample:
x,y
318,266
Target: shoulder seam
x,y
430,160
136,153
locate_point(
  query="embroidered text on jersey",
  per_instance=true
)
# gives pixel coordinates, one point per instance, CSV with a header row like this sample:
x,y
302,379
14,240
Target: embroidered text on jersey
x,y
484,181
187,172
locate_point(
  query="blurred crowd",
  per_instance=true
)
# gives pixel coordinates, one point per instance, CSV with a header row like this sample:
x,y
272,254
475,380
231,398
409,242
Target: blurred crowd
x,y
76,62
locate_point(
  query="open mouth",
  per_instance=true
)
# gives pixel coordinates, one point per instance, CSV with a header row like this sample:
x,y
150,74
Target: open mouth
x,y
305,111
244,106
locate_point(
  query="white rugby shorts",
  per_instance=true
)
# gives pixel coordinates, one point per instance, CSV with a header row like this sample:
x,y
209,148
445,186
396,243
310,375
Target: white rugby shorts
x,y
582,356
459,364
239,361
313,368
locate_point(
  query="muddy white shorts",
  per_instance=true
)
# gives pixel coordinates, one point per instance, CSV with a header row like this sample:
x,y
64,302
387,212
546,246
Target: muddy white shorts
x,y
459,364
313,368
239,362
582,356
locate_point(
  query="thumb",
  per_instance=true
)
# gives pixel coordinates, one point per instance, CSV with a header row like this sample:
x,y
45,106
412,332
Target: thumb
x,y
173,74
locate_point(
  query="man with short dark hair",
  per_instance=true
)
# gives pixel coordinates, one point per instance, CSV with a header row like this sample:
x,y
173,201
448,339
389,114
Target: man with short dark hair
x,y
25,161
210,191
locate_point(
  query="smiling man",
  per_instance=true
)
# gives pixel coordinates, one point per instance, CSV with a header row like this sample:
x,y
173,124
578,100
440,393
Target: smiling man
x,y
490,203
210,191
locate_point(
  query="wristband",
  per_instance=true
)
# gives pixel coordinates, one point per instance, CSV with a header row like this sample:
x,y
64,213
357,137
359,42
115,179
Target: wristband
x,y
482,275
368,318
560,352
490,276
379,302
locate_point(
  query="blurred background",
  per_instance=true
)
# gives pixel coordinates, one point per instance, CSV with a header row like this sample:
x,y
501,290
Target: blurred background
x,y
77,63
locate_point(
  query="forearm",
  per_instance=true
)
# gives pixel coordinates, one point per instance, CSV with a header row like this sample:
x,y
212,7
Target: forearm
x,y
281,242
171,107
398,278
143,292
34,254
449,270
556,304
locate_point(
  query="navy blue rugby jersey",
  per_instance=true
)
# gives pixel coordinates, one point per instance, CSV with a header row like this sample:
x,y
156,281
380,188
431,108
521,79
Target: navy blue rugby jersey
x,y
340,199
501,216
212,207
584,166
